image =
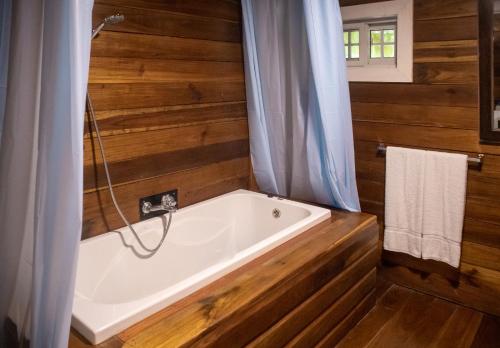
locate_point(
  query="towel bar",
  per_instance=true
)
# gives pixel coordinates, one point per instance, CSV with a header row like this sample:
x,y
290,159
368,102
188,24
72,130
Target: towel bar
x,y
477,162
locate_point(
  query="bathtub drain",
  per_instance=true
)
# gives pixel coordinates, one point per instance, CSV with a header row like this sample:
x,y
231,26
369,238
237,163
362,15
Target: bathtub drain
x,y
276,213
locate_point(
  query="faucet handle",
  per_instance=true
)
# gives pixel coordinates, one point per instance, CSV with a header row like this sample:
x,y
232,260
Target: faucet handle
x,y
168,202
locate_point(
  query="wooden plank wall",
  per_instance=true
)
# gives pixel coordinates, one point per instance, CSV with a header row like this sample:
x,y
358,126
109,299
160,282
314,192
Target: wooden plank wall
x,y
439,110
167,85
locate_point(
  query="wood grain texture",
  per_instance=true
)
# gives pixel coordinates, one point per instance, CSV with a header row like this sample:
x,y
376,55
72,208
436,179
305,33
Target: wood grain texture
x,y
403,317
336,257
438,111
167,88
169,23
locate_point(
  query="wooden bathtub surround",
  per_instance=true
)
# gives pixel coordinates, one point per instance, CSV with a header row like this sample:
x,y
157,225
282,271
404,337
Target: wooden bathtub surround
x,y
168,90
438,111
309,291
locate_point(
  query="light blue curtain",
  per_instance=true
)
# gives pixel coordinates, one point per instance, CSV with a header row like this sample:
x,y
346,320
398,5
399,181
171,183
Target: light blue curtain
x,y
45,52
298,101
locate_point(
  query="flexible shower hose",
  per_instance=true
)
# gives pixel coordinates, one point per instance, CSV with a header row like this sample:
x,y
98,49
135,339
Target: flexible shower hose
x,y
112,193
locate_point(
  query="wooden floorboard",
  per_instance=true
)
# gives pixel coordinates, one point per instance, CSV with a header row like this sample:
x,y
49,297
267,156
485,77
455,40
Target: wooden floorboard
x,y
406,318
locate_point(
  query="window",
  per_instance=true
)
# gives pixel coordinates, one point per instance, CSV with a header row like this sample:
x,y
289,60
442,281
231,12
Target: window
x,y
383,43
378,41
370,43
351,44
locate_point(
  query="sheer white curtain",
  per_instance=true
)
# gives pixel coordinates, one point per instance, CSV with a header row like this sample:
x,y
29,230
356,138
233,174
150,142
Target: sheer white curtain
x,y
43,73
298,100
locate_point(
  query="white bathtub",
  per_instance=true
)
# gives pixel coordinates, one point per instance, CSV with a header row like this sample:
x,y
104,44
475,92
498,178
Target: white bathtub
x,y
115,288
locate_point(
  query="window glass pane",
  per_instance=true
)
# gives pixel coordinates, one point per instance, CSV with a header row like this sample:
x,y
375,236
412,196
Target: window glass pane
x,y
355,52
376,36
376,51
389,35
346,37
355,36
346,50
389,51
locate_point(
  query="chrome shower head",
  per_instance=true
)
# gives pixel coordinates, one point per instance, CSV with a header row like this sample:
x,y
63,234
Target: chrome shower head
x,y
114,19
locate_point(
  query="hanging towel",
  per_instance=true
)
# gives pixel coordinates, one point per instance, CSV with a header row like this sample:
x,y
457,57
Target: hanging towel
x,y
404,191
444,204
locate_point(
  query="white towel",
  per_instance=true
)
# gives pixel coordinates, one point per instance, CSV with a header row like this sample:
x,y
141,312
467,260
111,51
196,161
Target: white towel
x,y
444,205
404,191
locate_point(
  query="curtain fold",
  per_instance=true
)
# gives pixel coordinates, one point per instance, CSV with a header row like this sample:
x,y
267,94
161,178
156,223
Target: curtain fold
x,y
298,101
41,164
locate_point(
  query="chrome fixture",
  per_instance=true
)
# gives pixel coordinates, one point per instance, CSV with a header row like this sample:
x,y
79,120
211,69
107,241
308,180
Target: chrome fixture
x,y
477,161
114,19
168,204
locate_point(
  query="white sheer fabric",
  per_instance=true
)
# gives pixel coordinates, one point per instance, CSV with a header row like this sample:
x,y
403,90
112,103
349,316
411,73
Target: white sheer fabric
x,y
41,163
298,100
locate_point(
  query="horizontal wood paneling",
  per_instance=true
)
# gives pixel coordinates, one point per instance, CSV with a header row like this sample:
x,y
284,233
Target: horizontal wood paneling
x,y
206,8
167,87
131,45
114,96
415,94
114,122
169,23
445,51
445,29
126,70
425,9
438,111
425,115
445,73
165,140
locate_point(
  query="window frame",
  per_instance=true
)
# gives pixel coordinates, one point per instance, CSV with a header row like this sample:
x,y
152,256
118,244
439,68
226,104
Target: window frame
x,y
383,26
396,11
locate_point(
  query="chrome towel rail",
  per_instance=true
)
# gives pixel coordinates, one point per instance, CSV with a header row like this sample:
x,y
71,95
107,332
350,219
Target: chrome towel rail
x,y
476,162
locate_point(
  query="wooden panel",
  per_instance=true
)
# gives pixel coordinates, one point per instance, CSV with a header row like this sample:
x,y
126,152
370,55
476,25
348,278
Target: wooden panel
x,y
154,142
152,21
126,70
295,321
143,95
445,73
445,51
114,122
396,93
130,45
206,8
167,87
425,9
330,318
348,322
425,115
448,29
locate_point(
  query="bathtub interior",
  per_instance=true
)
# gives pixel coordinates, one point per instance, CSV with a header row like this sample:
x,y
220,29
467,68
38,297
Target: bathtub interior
x,y
201,236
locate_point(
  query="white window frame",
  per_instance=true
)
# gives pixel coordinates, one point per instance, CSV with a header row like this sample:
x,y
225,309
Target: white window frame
x,y
399,11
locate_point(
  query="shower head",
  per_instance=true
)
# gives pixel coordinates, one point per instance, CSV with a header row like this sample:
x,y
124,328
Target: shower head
x,y
114,19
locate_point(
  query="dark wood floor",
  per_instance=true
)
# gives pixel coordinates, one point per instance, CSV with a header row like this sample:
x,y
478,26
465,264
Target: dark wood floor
x,y
406,318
